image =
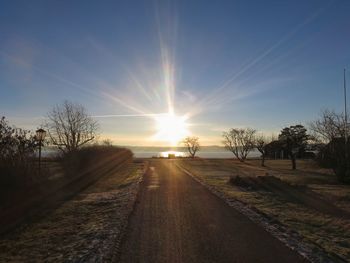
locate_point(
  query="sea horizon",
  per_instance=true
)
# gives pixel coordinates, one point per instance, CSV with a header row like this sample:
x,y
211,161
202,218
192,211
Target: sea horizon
x,y
212,151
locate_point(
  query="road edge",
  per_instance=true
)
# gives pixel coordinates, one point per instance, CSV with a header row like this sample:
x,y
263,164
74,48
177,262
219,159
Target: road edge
x,y
132,206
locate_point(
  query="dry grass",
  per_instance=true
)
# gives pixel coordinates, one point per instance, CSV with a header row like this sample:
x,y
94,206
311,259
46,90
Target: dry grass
x,y
328,232
84,229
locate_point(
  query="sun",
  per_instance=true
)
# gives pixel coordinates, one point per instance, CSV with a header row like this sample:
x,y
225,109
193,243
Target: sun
x,y
171,128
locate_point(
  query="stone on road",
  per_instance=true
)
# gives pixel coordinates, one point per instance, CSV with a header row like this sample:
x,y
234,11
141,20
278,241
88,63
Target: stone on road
x,y
176,219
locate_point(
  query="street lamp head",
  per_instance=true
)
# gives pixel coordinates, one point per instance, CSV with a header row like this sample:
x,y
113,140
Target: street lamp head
x,y
40,134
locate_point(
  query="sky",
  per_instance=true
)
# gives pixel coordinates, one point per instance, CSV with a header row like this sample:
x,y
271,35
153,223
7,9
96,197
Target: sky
x,y
219,64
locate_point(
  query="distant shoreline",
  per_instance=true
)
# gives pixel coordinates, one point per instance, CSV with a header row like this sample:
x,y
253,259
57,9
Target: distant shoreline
x,y
154,151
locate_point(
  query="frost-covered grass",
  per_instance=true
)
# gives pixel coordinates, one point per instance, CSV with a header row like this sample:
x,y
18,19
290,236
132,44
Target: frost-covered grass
x,y
85,228
330,233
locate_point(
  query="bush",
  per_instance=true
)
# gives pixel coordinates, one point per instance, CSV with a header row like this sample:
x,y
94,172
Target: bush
x,y
333,156
17,148
90,157
240,182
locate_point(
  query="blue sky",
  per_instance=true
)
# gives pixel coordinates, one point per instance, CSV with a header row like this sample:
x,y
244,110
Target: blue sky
x,y
262,64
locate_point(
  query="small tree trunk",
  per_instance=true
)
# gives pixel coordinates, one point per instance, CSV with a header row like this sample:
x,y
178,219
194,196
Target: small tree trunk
x,y
294,164
263,160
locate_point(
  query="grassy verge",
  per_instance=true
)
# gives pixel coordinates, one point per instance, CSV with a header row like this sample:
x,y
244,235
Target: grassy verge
x,y
80,169
86,228
330,233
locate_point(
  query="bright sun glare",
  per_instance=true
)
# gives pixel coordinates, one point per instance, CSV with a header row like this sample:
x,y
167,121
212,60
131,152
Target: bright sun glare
x,y
171,128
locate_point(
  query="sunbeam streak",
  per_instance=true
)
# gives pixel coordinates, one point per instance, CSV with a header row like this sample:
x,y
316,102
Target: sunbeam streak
x,y
129,115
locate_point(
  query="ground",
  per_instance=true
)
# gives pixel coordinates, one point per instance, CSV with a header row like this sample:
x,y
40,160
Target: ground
x,y
180,213
86,228
177,219
329,231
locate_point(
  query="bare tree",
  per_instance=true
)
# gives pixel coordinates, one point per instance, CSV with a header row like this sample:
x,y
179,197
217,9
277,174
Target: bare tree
x,y
330,129
70,127
260,143
328,126
239,141
192,145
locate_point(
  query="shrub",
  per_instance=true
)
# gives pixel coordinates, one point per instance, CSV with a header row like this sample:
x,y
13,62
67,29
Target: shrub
x,y
333,156
240,182
84,159
17,147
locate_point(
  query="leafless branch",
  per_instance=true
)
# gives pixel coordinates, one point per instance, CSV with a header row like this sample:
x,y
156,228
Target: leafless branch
x,y
240,142
192,145
70,127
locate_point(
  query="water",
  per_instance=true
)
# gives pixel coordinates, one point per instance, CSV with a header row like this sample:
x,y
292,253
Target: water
x,y
149,152
202,154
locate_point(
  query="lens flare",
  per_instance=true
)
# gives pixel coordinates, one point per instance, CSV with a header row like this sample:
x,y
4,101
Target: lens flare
x,y
171,128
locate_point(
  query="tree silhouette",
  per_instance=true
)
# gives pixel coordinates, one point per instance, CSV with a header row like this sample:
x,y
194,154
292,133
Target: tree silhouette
x,y
261,143
294,140
192,145
70,127
17,147
239,141
328,126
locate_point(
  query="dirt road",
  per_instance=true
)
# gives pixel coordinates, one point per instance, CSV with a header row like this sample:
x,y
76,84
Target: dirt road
x,y
178,220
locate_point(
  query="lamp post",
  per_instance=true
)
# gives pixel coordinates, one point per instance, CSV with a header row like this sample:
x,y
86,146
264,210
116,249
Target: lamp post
x,y
40,136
